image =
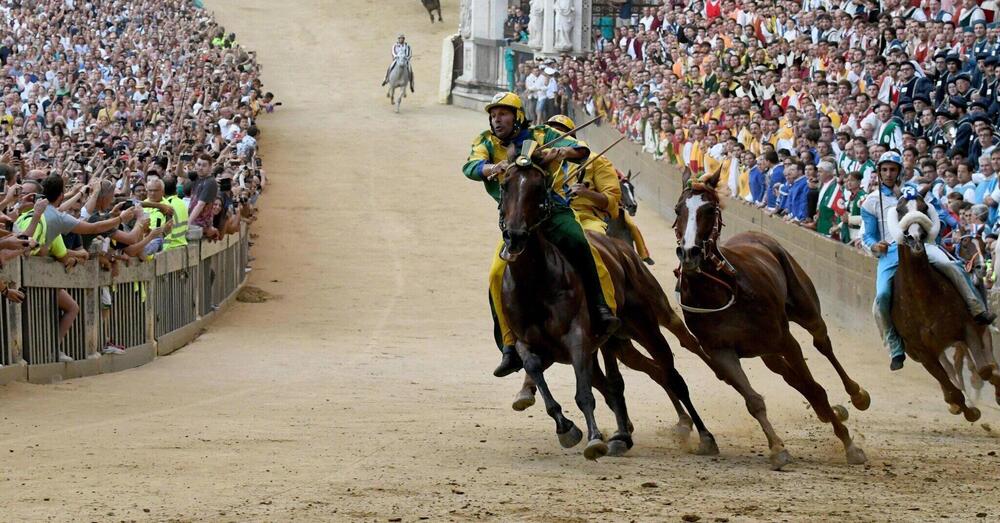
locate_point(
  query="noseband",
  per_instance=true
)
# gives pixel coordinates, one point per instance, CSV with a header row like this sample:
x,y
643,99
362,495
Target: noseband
x,y
714,256
546,209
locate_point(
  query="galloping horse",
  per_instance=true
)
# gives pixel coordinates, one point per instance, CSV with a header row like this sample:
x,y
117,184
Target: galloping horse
x,y
971,249
399,78
543,298
617,227
431,6
738,299
928,312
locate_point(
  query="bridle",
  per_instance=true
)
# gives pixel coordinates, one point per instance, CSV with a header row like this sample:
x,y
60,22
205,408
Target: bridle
x,y
718,262
546,207
970,264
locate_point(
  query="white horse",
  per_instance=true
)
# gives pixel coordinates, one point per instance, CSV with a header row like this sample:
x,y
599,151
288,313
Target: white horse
x,y
399,78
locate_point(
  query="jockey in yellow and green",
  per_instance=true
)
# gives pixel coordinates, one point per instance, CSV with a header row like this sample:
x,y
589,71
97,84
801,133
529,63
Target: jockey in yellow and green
x,y
487,162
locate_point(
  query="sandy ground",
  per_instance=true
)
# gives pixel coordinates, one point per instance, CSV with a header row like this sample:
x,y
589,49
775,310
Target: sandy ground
x,y
363,390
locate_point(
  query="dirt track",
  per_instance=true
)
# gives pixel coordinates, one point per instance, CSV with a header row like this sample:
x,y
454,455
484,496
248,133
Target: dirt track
x,y
363,391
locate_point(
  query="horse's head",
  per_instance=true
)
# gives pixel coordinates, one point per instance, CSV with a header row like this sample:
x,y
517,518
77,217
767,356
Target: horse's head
x,y
524,201
914,221
972,251
699,221
628,194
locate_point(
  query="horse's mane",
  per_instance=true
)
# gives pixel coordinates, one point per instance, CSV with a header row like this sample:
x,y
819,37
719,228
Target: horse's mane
x,y
711,195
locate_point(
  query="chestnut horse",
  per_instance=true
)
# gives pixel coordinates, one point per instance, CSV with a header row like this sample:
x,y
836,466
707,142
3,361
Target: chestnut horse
x,y
971,249
738,299
544,300
929,314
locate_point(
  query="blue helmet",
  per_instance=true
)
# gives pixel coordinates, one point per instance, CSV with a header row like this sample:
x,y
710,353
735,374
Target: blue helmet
x,y
890,157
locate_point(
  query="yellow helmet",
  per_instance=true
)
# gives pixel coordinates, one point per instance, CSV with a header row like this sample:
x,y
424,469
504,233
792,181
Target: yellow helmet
x,y
511,101
563,120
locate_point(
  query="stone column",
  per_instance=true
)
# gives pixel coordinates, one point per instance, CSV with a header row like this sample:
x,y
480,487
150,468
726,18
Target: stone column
x,y
482,54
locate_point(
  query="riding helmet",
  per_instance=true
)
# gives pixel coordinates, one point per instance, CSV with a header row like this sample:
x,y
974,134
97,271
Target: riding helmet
x,y
510,101
563,121
890,157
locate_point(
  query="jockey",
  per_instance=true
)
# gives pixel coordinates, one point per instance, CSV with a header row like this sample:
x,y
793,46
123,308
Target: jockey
x,y
401,52
598,194
876,216
596,190
488,160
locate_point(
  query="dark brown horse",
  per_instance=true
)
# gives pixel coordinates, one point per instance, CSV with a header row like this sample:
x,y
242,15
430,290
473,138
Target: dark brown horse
x,y
738,299
545,303
930,316
431,6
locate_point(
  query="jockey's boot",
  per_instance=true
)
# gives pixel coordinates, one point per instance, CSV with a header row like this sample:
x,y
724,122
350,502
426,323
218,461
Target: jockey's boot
x,y
985,318
510,363
648,261
607,323
897,362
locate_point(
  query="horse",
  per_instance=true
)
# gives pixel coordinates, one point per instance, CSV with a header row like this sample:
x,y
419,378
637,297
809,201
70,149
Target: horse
x,y
544,300
618,227
431,6
971,250
399,78
928,312
738,299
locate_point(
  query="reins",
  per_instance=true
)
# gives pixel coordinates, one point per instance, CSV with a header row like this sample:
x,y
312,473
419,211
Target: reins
x,y
717,259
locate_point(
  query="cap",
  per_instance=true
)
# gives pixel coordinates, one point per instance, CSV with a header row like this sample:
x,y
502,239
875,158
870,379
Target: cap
x,y
923,98
907,108
944,112
963,76
980,103
958,101
953,57
991,61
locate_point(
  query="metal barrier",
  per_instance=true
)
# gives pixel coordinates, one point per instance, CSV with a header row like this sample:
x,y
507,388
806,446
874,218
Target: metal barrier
x,y
150,308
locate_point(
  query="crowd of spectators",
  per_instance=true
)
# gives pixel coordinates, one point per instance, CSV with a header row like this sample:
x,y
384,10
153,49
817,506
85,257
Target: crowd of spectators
x,y
127,128
795,100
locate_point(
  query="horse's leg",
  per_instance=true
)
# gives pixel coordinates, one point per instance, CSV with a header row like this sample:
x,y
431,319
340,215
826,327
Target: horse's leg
x,y
727,366
633,359
953,396
981,351
526,396
954,367
583,366
792,367
614,396
806,313
652,339
568,434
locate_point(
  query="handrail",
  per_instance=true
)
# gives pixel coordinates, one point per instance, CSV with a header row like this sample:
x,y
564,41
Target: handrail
x,y
150,308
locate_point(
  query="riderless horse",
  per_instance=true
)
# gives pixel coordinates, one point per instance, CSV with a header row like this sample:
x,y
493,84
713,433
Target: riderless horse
x,y
928,312
972,251
431,6
738,298
543,298
617,227
399,78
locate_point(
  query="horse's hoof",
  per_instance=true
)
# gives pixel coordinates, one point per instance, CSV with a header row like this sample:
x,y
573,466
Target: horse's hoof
x,y
856,456
631,428
707,447
596,448
841,412
954,409
862,400
570,438
780,459
523,400
681,433
972,414
617,448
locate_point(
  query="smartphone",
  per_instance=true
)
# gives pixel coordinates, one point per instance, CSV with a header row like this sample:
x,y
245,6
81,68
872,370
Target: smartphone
x,y
17,154
3,184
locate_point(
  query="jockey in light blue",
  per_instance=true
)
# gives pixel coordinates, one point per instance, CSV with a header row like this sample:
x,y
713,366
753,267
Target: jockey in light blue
x,y
882,230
